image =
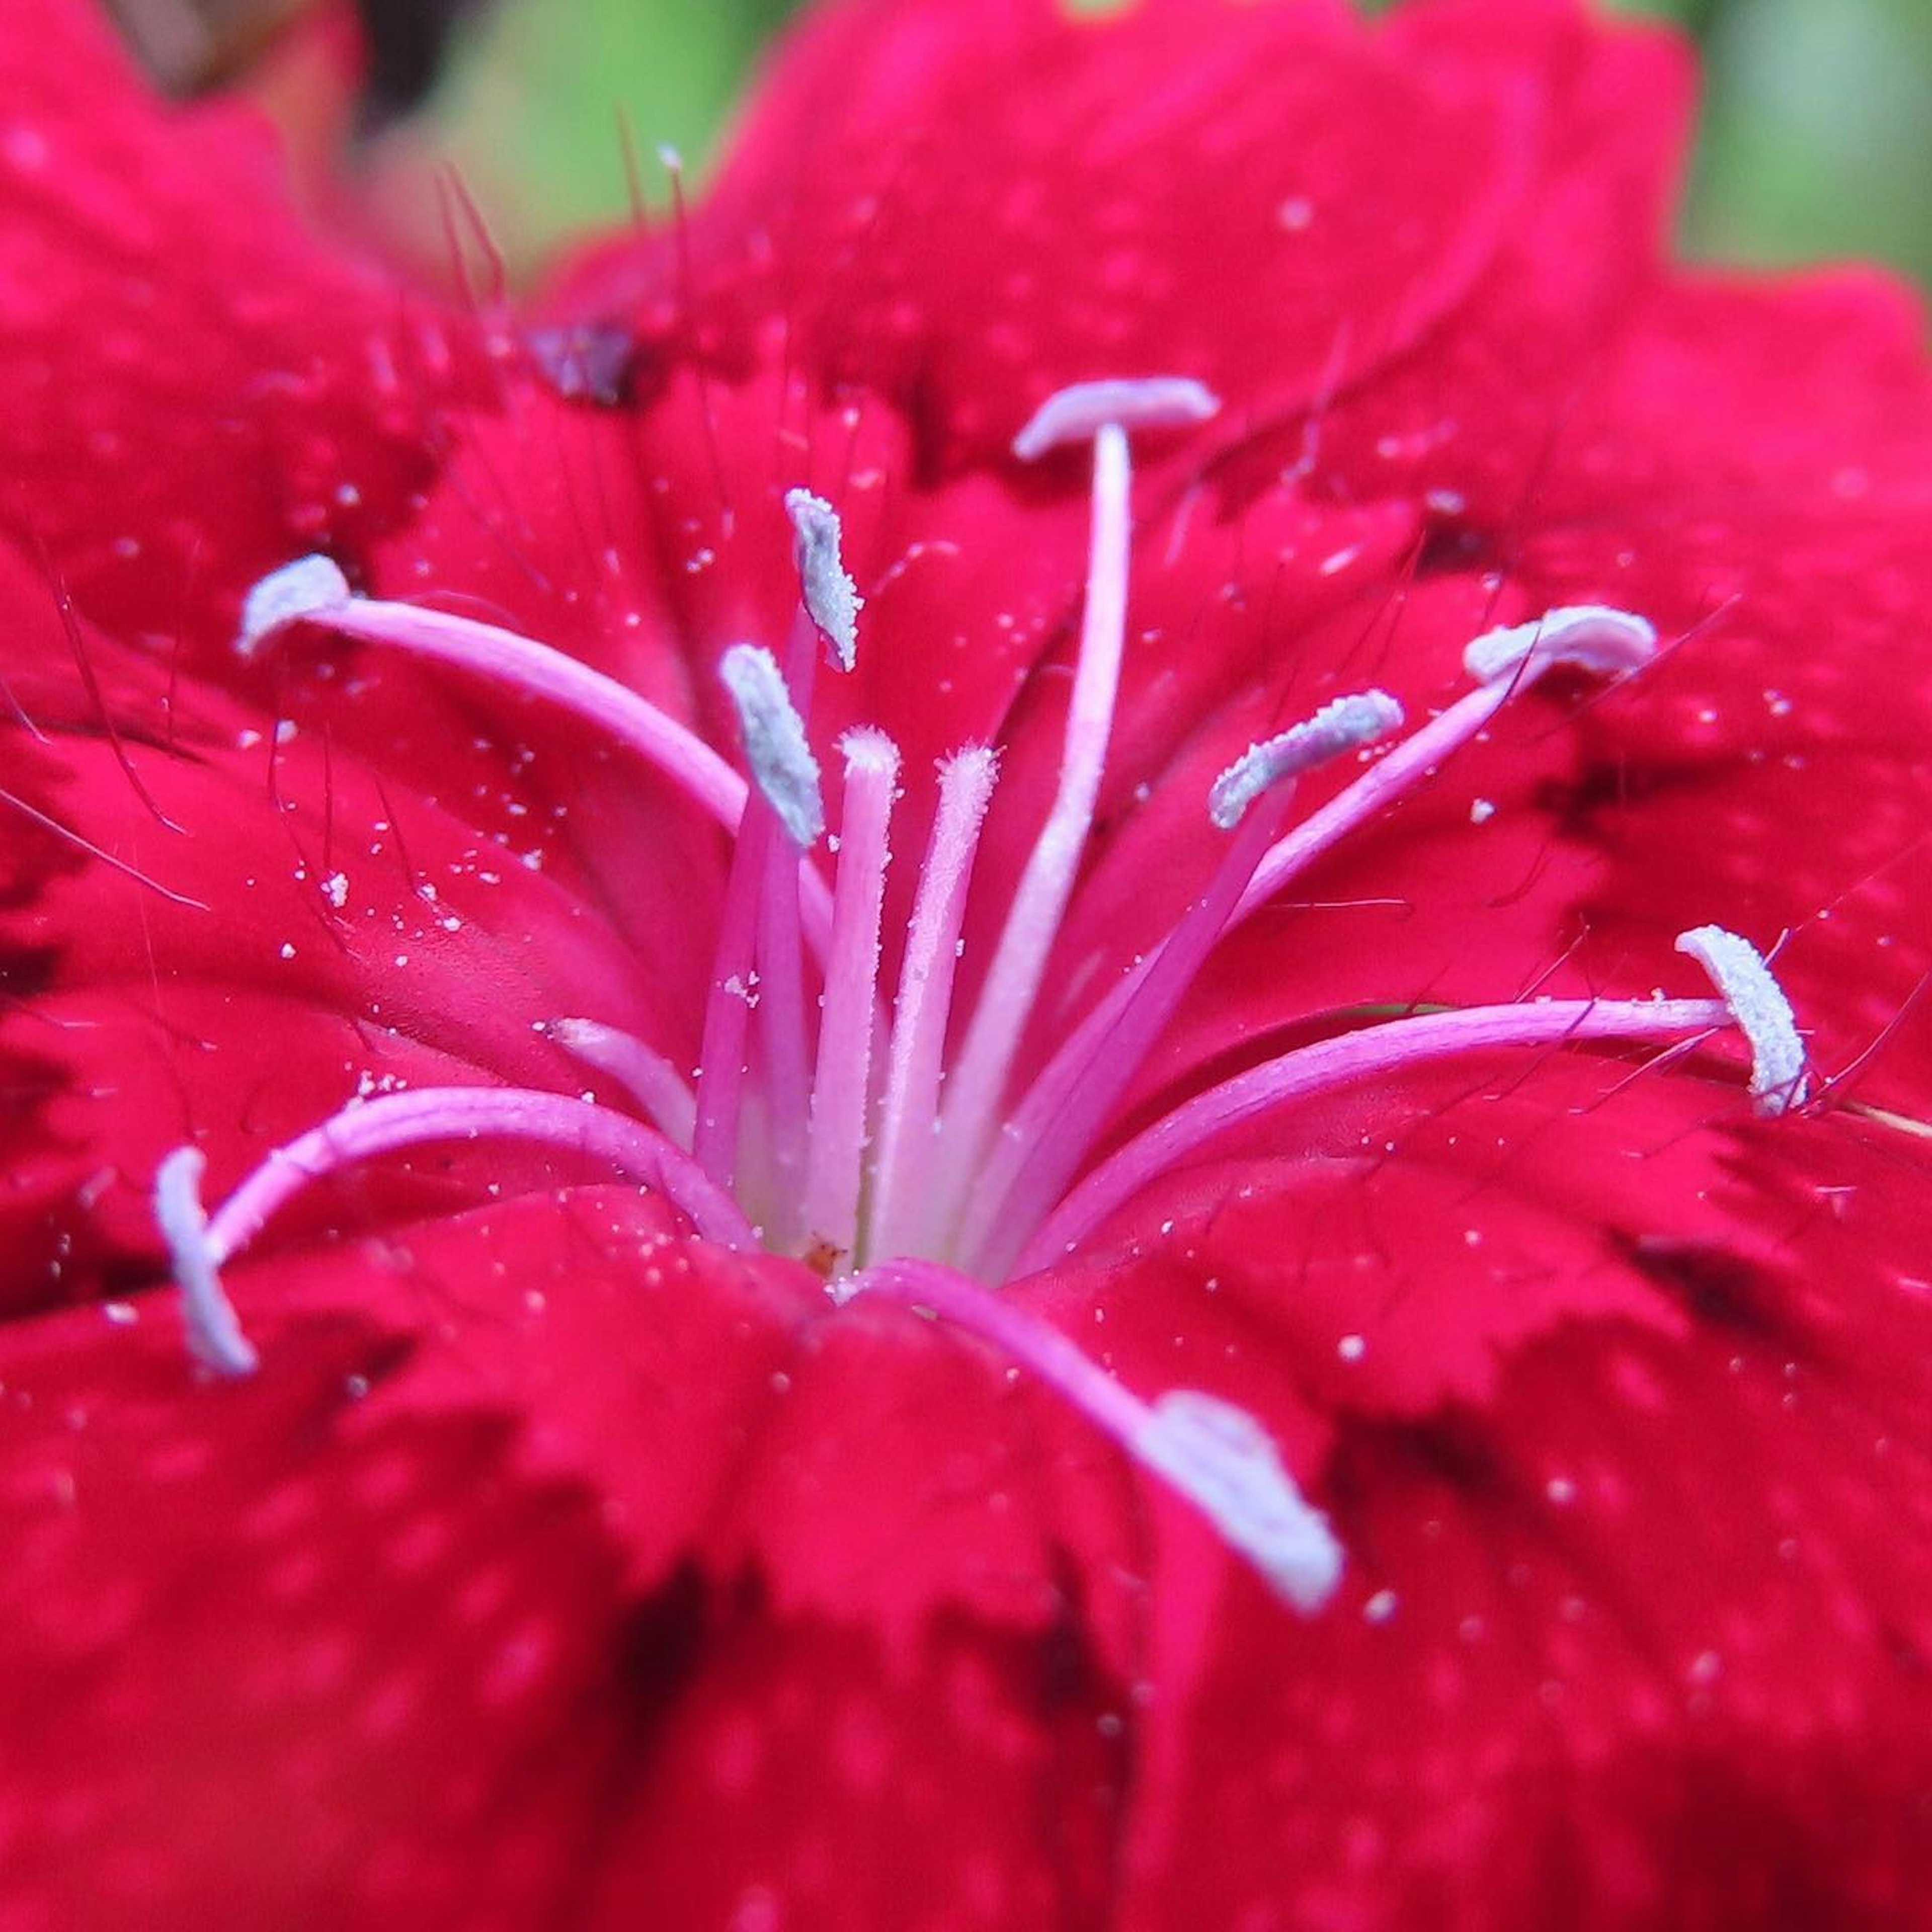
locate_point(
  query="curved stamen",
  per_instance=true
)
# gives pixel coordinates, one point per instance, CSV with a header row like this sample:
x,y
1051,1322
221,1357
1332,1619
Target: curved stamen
x,y
644,1073
1328,1064
908,1112
1762,1012
393,1121
1584,637
843,1084
215,1337
1064,1111
312,590
1216,1455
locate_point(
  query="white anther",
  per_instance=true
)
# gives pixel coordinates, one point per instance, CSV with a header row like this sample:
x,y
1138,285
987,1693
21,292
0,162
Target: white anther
x,y
1078,414
215,1337
1224,1463
831,598
1343,725
1593,637
866,747
782,765
297,589
1763,1013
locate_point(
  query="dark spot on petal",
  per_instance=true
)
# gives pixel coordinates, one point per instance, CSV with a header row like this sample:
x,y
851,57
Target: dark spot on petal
x,y
1716,1288
658,1649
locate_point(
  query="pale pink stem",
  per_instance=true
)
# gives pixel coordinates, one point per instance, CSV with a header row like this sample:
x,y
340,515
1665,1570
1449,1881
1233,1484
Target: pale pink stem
x,y
835,1171
1050,1134
910,1109
782,1015
979,1077
1409,764
645,1074
1312,1070
395,1121
537,671
1412,762
1216,1457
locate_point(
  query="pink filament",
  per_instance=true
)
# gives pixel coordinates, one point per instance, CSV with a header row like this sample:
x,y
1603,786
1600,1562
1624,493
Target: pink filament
x,y
1315,1069
782,1016
395,1120
835,1173
978,1081
1048,1137
537,671
910,1106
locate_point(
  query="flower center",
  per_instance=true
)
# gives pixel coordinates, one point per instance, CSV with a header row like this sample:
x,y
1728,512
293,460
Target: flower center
x,y
823,1119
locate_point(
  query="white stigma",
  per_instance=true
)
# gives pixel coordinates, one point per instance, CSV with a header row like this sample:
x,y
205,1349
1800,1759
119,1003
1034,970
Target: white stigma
x,y
215,1337
297,589
831,598
775,748
1763,1013
1224,1463
1343,725
1078,414
1592,636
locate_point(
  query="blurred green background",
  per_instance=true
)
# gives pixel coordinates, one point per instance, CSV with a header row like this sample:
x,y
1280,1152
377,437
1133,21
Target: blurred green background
x,y
1816,140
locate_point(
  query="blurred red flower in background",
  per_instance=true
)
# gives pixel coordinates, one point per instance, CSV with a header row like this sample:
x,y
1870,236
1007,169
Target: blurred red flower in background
x,y
556,1567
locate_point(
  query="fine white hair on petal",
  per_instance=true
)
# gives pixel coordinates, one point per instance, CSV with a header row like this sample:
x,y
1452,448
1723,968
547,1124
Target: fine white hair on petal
x,y
1222,1459
1593,637
782,765
215,1337
1343,724
1763,1014
309,584
1078,413
831,598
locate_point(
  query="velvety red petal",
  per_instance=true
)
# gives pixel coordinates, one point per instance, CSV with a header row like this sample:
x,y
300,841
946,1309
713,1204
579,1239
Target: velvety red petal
x,y
1609,1402
197,389
899,210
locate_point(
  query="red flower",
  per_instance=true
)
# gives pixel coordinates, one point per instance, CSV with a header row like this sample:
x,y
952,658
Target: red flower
x,y
1396,1455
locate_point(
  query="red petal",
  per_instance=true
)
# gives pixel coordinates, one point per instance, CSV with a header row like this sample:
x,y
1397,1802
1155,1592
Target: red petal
x,y
197,390
900,203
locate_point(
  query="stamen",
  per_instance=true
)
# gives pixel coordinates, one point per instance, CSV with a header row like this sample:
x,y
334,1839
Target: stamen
x,y
311,587
908,1115
306,592
1080,413
1039,901
1222,1459
1064,1113
775,748
830,597
1763,1015
1592,636
1344,724
395,1121
786,794
215,1337
1393,1047
644,1073
1585,637
843,1084
1214,1455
